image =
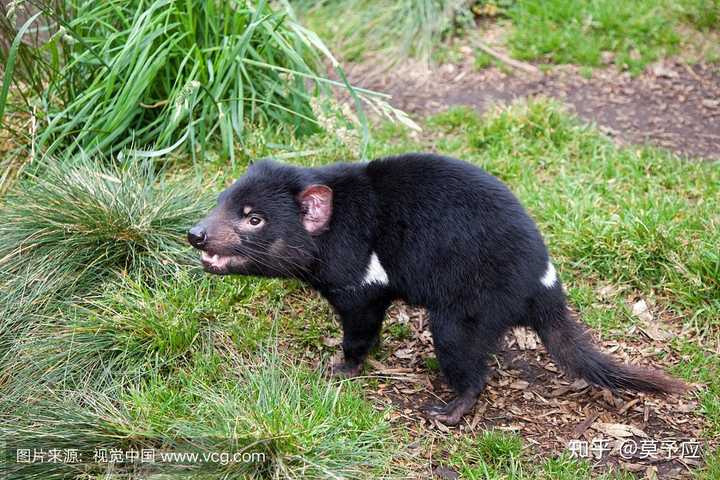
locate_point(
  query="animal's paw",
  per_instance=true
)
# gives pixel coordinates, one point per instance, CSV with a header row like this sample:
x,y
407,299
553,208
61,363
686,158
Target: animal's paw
x,y
345,370
452,413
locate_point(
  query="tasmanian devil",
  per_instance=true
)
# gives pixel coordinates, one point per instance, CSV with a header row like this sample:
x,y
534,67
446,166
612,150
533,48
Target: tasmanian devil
x,y
433,231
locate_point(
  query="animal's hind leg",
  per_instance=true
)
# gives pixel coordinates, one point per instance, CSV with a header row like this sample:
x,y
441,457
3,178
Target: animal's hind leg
x,y
463,346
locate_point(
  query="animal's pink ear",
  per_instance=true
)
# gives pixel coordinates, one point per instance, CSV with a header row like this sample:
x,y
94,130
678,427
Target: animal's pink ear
x,y
316,203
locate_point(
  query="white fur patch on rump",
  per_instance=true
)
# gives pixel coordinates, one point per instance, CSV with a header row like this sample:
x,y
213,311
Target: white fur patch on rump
x,y
375,272
550,277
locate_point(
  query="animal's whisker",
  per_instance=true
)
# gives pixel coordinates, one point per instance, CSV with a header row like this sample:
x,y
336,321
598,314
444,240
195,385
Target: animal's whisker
x,y
284,267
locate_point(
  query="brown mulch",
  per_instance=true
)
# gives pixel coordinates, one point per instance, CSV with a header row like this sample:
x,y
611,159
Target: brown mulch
x,y
529,396
673,105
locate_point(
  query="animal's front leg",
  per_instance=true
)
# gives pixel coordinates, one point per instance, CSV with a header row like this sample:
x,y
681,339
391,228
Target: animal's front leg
x,y
361,329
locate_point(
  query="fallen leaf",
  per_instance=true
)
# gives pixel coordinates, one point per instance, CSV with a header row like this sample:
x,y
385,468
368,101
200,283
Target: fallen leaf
x,y
608,291
376,365
331,341
404,353
526,340
628,405
519,385
633,467
445,473
618,430
660,70
641,310
551,368
579,384
686,407
654,332
442,427
584,425
402,316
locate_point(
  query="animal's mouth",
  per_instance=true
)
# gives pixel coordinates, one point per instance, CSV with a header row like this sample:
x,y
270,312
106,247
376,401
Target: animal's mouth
x,y
216,260
218,263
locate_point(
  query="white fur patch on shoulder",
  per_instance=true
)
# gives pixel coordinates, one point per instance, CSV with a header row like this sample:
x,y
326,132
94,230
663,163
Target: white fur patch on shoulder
x,y
375,272
550,277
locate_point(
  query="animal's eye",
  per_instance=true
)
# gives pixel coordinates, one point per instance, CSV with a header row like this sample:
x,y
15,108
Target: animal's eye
x,y
255,220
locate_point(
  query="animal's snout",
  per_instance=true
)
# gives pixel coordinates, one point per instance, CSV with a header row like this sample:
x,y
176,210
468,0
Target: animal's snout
x,y
197,236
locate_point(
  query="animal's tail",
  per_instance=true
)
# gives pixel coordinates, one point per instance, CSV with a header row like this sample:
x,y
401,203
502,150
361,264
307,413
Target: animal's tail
x,y
571,346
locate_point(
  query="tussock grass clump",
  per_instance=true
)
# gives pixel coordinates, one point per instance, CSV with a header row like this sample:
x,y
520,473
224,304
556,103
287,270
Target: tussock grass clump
x,y
389,30
76,223
119,335
296,424
137,326
157,73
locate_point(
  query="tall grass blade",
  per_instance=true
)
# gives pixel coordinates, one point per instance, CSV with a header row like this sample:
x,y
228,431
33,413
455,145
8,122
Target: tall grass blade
x,y
10,65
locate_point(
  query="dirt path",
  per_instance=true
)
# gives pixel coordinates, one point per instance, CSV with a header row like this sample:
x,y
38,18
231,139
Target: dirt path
x,y
673,105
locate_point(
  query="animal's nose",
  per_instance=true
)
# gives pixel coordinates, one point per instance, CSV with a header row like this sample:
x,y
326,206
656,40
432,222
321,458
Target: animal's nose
x,y
197,236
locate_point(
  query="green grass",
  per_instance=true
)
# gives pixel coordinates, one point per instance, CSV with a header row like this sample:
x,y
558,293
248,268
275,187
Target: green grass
x,y
217,404
497,455
712,469
139,353
577,31
399,331
132,327
482,60
493,454
703,14
630,35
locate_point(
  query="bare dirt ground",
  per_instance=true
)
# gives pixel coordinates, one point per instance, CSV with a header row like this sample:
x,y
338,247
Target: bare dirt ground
x,y
529,396
673,105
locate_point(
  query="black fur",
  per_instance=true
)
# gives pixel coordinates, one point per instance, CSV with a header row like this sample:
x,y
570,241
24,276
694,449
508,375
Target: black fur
x,y
450,237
